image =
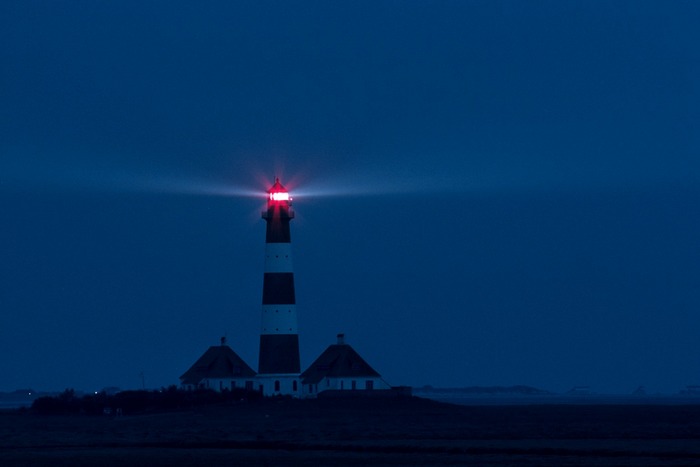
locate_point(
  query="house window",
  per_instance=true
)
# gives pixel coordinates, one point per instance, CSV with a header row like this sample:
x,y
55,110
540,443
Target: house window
x,y
248,385
341,384
277,386
311,388
221,385
294,385
369,385
354,384
233,385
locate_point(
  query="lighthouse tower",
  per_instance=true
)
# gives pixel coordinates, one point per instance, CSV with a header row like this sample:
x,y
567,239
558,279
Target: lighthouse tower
x,y
278,364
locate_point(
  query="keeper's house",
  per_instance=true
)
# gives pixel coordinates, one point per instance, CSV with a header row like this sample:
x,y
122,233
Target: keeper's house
x,y
340,368
219,368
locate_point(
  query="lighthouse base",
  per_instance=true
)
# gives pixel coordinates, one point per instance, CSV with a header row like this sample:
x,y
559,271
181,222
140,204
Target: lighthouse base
x,y
279,384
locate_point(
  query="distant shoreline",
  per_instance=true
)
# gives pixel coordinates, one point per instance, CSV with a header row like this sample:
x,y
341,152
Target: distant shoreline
x,y
527,395
559,399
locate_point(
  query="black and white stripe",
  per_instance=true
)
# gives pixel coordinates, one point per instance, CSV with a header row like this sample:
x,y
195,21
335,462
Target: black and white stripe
x,y
279,339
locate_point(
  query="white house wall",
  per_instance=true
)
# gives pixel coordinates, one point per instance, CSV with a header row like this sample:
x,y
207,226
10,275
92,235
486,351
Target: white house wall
x,y
225,383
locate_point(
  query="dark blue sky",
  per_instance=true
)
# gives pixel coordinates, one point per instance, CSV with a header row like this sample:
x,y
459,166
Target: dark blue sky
x,y
486,192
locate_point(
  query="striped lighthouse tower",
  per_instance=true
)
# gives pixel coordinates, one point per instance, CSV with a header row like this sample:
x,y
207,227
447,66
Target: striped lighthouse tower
x,y
278,364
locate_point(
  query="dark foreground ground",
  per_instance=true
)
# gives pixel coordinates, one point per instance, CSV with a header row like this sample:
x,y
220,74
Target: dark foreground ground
x,y
359,433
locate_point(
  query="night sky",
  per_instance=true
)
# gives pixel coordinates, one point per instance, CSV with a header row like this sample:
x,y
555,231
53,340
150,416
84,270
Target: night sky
x,y
487,193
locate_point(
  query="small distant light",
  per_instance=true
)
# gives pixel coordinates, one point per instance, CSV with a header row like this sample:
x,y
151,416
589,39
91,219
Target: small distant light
x,y
30,393
95,392
279,196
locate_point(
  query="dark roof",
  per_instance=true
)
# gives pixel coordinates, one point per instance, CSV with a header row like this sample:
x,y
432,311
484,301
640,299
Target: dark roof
x,y
218,361
338,360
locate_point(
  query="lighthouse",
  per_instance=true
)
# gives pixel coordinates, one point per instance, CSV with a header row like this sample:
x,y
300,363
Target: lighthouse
x,y
278,363
339,369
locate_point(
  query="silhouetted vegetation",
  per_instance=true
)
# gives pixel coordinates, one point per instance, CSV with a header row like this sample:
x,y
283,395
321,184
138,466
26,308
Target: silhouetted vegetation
x,y
133,402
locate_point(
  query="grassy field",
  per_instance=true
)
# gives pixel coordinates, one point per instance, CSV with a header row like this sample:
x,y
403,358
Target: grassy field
x,y
361,432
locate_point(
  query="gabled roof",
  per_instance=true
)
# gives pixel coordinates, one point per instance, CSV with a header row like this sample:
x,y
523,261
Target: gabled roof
x,y
219,361
337,361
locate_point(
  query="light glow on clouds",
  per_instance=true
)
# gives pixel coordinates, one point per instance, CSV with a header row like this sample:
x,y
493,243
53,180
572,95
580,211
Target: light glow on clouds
x,y
74,173
69,174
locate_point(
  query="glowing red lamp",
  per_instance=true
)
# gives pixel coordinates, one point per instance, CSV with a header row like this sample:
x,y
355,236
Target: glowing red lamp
x,y
278,192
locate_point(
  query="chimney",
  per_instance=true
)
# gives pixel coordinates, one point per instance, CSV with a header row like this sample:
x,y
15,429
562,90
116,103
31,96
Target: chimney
x,y
341,339
223,340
